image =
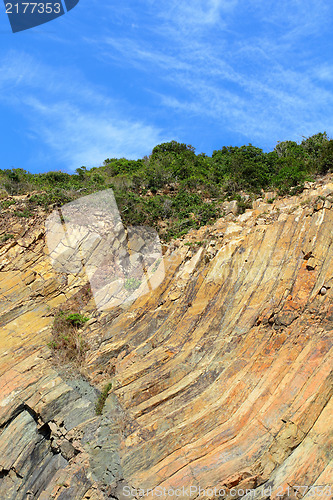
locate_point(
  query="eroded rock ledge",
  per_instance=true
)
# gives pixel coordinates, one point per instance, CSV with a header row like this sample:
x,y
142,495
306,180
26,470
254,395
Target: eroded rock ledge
x,y
222,377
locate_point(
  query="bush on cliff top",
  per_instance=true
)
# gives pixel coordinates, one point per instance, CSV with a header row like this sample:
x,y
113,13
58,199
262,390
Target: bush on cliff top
x,y
175,189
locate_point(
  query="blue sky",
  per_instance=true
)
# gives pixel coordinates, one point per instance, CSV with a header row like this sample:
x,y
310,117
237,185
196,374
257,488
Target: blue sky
x,y
114,79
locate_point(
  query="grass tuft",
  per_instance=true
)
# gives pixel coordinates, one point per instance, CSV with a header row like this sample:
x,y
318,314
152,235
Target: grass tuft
x,y
102,398
67,341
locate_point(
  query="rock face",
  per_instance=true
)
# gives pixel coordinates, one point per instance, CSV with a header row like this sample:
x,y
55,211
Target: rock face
x,y
221,377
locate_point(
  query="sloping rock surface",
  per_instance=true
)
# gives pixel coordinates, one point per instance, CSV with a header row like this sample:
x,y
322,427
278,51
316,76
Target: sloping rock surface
x,y
221,377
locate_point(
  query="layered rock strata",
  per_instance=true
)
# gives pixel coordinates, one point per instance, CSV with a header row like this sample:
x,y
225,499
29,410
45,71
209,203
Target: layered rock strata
x,y
221,377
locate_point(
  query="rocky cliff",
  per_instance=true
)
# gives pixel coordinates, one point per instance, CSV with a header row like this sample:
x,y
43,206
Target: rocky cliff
x,y
221,377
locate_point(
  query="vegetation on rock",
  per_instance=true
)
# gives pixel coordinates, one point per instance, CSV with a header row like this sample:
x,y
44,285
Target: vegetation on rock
x,y
132,284
102,398
7,236
67,341
175,189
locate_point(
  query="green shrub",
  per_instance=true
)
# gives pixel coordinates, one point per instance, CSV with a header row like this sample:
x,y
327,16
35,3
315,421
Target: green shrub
x,y
177,186
313,145
58,178
290,177
3,192
66,341
23,213
132,284
17,181
102,398
207,213
7,203
242,204
121,166
76,319
194,244
5,237
56,197
324,162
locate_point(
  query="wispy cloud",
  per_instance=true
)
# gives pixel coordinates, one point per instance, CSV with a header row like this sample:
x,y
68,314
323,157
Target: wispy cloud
x,y
198,13
252,68
74,124
79,137
296,17
255,71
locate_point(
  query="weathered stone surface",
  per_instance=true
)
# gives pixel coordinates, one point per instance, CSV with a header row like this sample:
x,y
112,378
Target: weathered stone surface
x,y
221,376
230,207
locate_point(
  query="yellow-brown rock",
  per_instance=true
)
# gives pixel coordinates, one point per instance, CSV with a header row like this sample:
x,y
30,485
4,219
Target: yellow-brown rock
x,y
221,377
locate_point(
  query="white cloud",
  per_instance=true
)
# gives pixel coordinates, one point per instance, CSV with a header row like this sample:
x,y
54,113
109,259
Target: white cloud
x,y
77,122
81,138
266,82
251,68
323,72
197,12
300,16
